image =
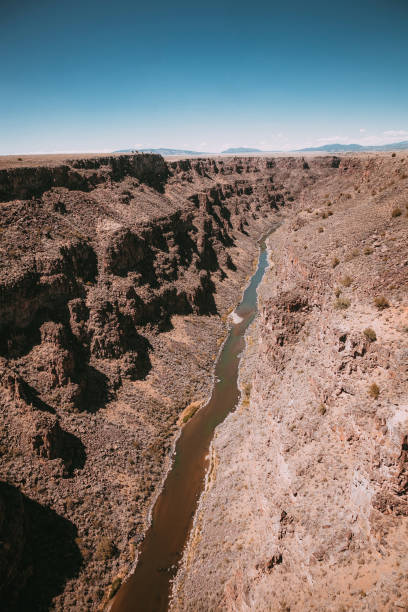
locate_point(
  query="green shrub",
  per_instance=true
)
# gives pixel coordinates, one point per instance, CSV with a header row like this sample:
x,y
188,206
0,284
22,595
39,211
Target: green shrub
x,y
115,586
368,250
335,262
370,334
396,212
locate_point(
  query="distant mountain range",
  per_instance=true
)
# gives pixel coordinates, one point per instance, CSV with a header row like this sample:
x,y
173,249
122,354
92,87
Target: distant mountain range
x,y
328,148
164,151
234,150
339,148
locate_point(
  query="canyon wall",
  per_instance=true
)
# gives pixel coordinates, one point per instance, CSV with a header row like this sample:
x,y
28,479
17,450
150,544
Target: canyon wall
x,y
306,504
117,275
116,278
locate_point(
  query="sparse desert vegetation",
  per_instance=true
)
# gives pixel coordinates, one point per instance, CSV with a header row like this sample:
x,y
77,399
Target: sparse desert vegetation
x,y
374,390
381,302
370,334
105,549
342,303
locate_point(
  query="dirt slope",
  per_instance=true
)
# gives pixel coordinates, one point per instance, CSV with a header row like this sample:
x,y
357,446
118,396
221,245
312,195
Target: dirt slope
x,y
306,503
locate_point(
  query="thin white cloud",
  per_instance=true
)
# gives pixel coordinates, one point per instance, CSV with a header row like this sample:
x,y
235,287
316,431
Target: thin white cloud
x,y
362,130
340,139
396,133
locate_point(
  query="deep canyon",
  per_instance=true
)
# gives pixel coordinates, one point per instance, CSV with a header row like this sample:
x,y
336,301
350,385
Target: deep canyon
x,y
117,278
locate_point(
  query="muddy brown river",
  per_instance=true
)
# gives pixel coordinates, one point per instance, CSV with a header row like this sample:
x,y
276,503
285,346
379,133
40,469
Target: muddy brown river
x,y
148,588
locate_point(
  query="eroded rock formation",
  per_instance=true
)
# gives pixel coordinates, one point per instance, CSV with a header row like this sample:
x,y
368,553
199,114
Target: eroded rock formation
x,y
115,277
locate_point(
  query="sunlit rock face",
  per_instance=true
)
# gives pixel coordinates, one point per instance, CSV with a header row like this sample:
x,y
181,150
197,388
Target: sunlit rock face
x,y
306,505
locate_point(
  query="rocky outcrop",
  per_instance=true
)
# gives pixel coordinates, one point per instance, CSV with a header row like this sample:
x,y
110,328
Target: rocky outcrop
x,y
82,175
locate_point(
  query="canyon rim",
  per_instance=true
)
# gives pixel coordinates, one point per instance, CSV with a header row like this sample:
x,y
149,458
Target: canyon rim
x,y
118,276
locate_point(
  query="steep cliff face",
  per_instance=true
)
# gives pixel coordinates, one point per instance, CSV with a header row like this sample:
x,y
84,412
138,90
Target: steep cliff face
x,y
306,501
82,175
115,278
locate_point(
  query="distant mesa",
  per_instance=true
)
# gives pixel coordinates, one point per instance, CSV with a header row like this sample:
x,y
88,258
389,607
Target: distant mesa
x,y
339,148
164,151
327,148
242,150
335,148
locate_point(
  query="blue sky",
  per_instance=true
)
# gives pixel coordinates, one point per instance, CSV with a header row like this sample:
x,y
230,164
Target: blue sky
x,y
98,76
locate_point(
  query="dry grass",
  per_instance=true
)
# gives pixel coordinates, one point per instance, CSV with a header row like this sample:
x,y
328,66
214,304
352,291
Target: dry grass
x,y
370,334
246,393
381,302
374,391
105,549
346,281
342,303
